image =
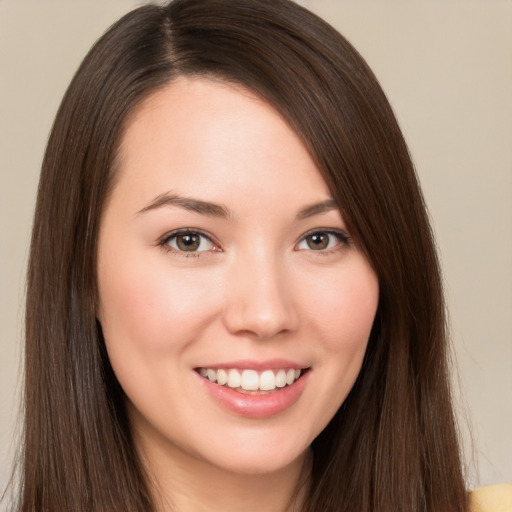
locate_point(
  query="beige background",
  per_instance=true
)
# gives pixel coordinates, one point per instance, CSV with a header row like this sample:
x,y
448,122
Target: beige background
x,y
447,68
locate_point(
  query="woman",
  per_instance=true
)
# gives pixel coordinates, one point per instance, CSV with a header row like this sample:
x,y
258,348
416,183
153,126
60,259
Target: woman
x,y
149,296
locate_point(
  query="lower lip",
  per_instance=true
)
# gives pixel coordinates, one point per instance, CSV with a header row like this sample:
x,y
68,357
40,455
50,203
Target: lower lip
x,y
256,406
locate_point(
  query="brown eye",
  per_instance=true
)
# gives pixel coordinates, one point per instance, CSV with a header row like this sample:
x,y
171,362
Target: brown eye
x,y
323,240
318,241
189,241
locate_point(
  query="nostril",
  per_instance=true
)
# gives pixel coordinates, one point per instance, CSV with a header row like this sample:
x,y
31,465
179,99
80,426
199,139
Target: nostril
x,y
259,303
248,322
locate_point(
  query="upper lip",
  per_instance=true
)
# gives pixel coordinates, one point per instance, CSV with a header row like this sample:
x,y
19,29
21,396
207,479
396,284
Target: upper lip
x,y
249,364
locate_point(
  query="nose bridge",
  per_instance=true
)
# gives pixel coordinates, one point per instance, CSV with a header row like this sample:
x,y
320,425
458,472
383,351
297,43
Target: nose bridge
x,y
260,302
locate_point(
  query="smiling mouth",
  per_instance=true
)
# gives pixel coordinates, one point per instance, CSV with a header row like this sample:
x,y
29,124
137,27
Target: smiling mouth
x,y
252,381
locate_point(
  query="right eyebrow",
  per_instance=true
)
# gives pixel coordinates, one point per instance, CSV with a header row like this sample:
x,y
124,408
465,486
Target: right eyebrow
x,y
188,203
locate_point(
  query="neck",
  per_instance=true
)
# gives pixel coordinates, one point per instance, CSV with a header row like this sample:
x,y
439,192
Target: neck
x,y
184,484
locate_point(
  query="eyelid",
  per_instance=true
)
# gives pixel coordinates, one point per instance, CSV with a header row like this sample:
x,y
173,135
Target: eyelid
x,y
164,240
342,236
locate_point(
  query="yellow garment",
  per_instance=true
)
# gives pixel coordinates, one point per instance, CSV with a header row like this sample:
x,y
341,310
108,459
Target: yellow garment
x,y
494,498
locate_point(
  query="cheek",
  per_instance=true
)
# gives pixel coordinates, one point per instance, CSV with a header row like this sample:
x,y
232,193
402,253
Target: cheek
x,y
149,308
150,316
343,308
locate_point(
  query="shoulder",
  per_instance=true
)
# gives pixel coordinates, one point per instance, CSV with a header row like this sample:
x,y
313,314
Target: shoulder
x,y
494,498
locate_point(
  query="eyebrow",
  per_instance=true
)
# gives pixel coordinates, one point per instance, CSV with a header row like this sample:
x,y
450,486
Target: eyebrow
x,y
317,209
188,203
218,210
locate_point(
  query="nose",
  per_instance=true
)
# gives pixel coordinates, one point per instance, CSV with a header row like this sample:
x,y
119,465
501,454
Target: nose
x,y
260,300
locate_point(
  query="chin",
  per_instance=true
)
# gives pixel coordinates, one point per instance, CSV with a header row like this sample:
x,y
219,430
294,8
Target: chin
x,y
259,464
257,454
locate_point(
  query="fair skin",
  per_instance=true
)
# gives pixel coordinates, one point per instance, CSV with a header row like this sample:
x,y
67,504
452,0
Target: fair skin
x,y
261,276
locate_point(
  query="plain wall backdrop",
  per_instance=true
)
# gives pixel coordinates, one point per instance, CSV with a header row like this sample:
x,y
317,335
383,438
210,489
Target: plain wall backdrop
x,y
446,66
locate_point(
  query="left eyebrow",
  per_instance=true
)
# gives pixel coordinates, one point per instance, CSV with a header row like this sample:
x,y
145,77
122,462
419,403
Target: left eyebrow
x,y
317,209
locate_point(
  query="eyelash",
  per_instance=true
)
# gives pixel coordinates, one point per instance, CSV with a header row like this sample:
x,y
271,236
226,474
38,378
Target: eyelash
x,y
164,242
342,237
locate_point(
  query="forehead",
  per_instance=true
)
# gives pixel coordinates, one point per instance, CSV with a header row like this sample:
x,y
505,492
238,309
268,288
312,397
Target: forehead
x,y
214,138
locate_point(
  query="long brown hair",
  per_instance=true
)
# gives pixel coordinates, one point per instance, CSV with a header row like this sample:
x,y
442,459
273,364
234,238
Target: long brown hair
x,y
392,446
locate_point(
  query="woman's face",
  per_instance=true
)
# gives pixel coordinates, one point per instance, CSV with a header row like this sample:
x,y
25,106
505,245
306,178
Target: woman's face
x,y
235,308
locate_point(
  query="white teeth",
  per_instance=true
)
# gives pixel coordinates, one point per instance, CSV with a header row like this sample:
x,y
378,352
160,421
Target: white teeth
x,y
267,380
222,377
251,380
234,379
281,379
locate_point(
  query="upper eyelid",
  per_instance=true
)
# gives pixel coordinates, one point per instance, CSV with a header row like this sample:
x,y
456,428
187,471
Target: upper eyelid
x,y
333,231
170,234
344,236
344,241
